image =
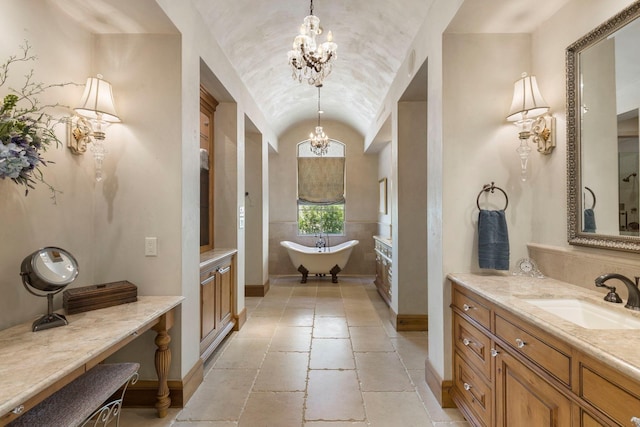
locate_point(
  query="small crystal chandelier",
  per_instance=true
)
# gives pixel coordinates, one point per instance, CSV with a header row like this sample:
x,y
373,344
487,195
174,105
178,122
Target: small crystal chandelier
x,y
319,140
311,61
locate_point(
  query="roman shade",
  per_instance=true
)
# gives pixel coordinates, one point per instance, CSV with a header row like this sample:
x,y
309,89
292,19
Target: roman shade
x,y
321,180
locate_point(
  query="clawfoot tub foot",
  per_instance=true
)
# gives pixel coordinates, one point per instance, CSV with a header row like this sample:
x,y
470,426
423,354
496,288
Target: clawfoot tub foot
x,y
304,272
334,273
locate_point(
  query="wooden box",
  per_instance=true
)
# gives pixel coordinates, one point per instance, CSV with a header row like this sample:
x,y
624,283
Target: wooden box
x,y
87,298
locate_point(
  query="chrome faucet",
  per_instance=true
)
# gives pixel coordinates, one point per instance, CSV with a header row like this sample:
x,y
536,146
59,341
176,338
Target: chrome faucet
x,y
320,243
633,302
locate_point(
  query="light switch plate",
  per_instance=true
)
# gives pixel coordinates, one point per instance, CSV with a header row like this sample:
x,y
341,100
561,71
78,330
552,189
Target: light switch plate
x,y
150,246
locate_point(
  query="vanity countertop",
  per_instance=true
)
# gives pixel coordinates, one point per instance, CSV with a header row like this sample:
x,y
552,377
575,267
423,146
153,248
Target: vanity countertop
x,y
31,362
214,255
616,348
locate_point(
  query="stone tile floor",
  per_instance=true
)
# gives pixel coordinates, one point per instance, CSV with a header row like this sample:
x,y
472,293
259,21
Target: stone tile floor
x,y
313,355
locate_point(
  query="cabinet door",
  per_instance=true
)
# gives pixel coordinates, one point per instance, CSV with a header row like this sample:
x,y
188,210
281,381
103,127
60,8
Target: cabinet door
x,y
524,399
207,304
224,296
378,269
587,420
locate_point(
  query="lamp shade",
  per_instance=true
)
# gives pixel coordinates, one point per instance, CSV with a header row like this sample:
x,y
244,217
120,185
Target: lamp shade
x,y
526,99
98,99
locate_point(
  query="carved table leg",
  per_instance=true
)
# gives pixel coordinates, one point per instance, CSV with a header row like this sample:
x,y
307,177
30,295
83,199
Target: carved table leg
x,y
304,272
163,362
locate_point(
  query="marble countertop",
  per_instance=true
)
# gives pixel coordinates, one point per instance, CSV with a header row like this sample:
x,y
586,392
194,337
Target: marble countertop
x,y
619,349
215,255
32,361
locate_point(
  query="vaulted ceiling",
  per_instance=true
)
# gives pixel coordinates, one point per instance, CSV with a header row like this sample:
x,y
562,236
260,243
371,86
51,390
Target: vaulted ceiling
x,y
373,38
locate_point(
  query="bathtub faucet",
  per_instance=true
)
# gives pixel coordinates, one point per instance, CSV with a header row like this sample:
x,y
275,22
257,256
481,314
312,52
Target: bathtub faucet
x,y
320,243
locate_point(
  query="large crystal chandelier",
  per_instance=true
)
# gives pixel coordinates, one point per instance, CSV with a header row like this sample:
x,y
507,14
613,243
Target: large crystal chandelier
x,y
309,60
319,140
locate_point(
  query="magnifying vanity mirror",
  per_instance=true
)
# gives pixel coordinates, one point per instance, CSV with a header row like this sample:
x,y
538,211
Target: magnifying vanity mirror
x,y
46,272
603,164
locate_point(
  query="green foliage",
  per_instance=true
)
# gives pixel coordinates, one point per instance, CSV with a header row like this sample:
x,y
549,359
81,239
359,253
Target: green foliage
x,y
314,219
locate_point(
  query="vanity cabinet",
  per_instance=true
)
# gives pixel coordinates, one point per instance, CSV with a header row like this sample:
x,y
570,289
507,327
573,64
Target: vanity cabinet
x,y
509,372
525,398
384,268
216,303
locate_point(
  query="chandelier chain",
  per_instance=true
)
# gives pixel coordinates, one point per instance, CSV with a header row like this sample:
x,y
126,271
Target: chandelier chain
x,y
318,140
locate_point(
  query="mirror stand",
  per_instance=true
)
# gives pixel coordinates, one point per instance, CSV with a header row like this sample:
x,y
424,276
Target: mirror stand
x,y
49,320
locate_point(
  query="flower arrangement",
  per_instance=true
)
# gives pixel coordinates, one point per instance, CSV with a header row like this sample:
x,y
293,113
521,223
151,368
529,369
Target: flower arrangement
x,y
26,129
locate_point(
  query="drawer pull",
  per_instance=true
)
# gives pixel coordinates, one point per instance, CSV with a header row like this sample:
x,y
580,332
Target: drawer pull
x,y
466,307
18,410
636,421
207,280
467,342
520,343
467,386
494,352
224,269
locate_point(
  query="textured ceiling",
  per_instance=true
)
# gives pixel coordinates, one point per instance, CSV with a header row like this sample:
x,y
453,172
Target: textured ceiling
x,y
373,38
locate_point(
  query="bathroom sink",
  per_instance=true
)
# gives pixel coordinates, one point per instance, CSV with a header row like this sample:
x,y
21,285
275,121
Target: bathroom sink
x,y
586,314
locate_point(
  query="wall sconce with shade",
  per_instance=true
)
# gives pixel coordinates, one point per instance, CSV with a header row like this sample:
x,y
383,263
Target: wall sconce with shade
x,y
95,112
529,112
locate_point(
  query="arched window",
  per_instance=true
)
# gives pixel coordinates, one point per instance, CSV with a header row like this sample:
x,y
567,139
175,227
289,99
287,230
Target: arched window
x,y
321,189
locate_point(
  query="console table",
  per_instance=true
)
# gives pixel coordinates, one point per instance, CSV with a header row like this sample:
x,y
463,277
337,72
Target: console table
x,y
33,365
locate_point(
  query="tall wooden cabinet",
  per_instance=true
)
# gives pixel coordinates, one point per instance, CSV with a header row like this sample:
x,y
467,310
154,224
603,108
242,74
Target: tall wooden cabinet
x,y
508,372
216,303
207,149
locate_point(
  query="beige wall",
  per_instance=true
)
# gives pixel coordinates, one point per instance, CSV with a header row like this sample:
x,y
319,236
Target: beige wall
x,y
408,205
32,222
253,210
361,199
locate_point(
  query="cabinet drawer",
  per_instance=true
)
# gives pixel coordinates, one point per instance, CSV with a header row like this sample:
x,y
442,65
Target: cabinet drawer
x,y
610,392
473,306
472,389
550,358
474,345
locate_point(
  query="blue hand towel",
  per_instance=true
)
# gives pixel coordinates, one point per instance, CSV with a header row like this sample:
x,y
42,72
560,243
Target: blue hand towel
x,y
493,240
589,221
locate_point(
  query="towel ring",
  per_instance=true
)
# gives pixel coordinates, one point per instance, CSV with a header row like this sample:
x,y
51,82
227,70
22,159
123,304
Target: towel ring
x,y
592,195
492,187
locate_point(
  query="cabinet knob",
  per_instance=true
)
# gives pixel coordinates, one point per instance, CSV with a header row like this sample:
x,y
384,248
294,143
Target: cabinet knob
x,y
466,307
466,342
520,343
636,421
18,410
467,386
494,352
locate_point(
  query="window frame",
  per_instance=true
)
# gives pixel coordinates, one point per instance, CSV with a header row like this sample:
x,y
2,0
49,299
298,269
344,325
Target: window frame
x,y
305,145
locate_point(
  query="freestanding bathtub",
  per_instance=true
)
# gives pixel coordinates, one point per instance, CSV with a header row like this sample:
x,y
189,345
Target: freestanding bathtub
x,y
326,260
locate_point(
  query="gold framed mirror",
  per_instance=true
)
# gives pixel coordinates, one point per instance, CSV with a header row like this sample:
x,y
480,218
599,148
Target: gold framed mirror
x,y
603,100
